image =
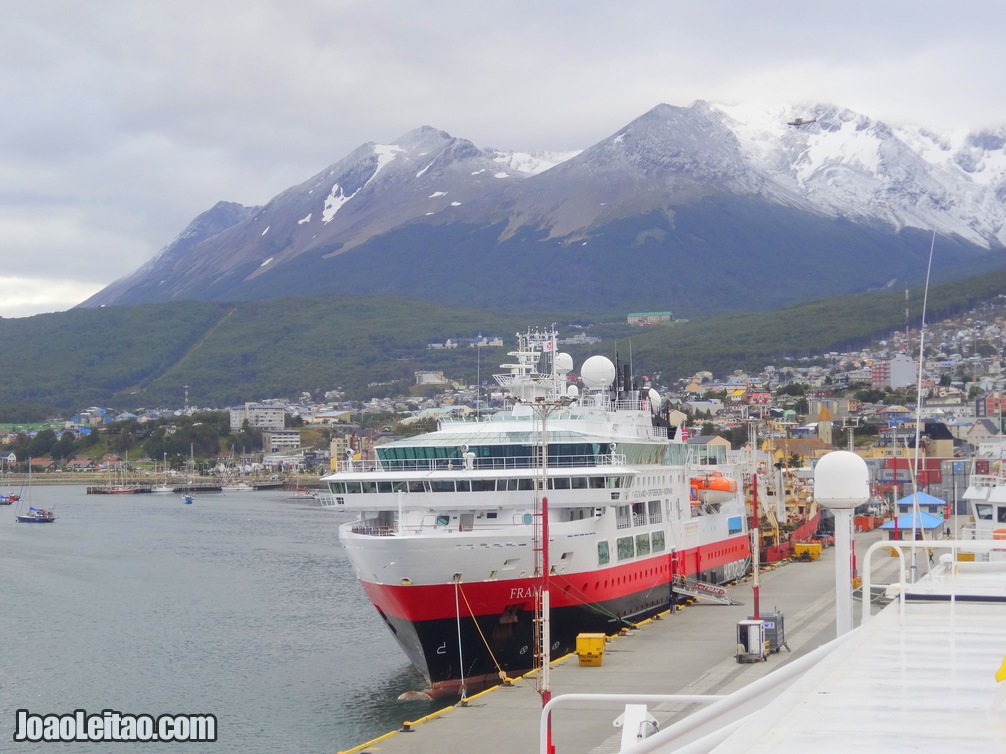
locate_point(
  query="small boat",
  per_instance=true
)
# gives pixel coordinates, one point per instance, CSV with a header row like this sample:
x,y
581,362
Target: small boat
x,y
302,493
237,487
33,515
188,499
712,488
36,516
9,499
162,488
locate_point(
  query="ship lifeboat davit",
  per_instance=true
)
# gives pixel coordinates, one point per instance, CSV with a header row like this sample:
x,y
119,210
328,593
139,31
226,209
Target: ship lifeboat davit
x,y
712,488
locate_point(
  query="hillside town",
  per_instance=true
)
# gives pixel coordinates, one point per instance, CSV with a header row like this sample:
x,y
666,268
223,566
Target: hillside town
x,y
796,411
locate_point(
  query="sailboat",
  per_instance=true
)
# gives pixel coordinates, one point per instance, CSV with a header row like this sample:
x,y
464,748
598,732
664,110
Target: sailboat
x,y
33,515
8,497
163,486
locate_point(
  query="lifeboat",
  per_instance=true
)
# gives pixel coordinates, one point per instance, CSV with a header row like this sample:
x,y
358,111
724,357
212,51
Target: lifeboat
x,y
712,488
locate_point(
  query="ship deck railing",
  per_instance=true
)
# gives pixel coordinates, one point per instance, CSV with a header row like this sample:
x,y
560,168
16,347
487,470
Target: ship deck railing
x,y
515,463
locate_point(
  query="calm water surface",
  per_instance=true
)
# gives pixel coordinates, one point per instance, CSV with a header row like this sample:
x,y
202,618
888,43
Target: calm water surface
x,y
242,605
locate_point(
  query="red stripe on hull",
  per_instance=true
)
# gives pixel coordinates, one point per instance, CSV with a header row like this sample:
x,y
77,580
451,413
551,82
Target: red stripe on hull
x,y
417,603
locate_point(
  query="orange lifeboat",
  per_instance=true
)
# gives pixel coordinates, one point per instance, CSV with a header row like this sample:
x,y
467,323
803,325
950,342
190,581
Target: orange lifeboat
x,y
712,488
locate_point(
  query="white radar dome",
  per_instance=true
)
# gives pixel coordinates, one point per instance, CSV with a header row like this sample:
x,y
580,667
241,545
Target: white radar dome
x,y
573,392
841,480
597,373
655,399
563,363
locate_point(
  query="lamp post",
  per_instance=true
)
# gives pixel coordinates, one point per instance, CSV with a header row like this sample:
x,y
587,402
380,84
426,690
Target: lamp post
x,y
842,482
543,408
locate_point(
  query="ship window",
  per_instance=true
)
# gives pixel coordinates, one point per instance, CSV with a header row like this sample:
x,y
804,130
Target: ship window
x,y
657,541
353,487
1001,514
416,486
384,486
642,544
338,487
560,483
528,518
597,482
625,548
491,514
602,553
442,485
399,486
984,511
511,484
443,520
525,484
483,485
464,485
614,481
578,483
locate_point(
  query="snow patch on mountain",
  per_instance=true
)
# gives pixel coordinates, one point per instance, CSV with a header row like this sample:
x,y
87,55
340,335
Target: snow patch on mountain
x,y
846,164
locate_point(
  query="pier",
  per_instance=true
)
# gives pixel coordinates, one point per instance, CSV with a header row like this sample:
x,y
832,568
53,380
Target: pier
x,y
689,651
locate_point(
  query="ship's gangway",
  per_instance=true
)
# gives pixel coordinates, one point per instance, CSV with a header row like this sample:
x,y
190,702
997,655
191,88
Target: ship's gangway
x,y
700,589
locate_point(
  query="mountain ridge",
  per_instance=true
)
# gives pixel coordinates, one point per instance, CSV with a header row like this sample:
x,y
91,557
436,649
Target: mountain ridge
x,y
677,186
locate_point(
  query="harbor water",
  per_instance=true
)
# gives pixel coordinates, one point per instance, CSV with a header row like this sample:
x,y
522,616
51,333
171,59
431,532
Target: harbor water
x,y
242,605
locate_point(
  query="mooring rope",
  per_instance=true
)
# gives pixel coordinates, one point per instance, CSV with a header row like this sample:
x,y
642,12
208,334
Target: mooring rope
x,y
479,628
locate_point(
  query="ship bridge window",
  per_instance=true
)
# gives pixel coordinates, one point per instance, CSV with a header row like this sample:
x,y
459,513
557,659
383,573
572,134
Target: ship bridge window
x,y
642,544
657,541
399,487
463,485
578,483
338,488
369,486
416,486
384,486
354,487
597,482
984,511
624,547
525,484
614,481
1001,514
602,553
442,485
559,483
483,485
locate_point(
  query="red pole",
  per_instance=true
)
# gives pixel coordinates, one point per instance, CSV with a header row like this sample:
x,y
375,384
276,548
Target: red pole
x,y
757,549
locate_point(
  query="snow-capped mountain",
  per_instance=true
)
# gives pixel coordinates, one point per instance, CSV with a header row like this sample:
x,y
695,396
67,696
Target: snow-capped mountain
x,y
721,207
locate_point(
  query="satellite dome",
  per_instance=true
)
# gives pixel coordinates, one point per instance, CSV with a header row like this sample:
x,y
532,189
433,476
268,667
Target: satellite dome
x,y
597,373
563,363
655,400
573,392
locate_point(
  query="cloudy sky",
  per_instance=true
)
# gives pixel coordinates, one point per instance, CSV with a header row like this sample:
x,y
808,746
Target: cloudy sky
x,y
120,121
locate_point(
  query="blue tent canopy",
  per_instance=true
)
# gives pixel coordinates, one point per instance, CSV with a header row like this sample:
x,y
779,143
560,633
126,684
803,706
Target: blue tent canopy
x,y
923,521
925,500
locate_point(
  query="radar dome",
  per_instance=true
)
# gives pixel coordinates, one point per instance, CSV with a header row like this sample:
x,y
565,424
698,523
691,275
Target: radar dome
x,y
597,373
573,392
655,399
563,363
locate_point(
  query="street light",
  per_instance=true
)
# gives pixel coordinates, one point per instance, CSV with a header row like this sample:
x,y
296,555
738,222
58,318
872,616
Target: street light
x,y
543,408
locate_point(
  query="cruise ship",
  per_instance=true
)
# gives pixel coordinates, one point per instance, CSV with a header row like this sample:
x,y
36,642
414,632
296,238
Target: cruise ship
x,y
449,525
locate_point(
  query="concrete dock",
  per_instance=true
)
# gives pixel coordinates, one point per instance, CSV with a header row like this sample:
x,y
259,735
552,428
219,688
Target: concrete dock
x,y
690,651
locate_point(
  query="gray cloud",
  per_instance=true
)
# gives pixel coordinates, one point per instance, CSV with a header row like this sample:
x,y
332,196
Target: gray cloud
x,y
124,120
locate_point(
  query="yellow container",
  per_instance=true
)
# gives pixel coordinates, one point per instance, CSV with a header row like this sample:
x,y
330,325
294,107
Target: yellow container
x,y
812,549
590,648
965,556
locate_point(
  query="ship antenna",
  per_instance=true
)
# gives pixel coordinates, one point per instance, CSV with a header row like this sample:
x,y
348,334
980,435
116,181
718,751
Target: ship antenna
x,y
918,409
